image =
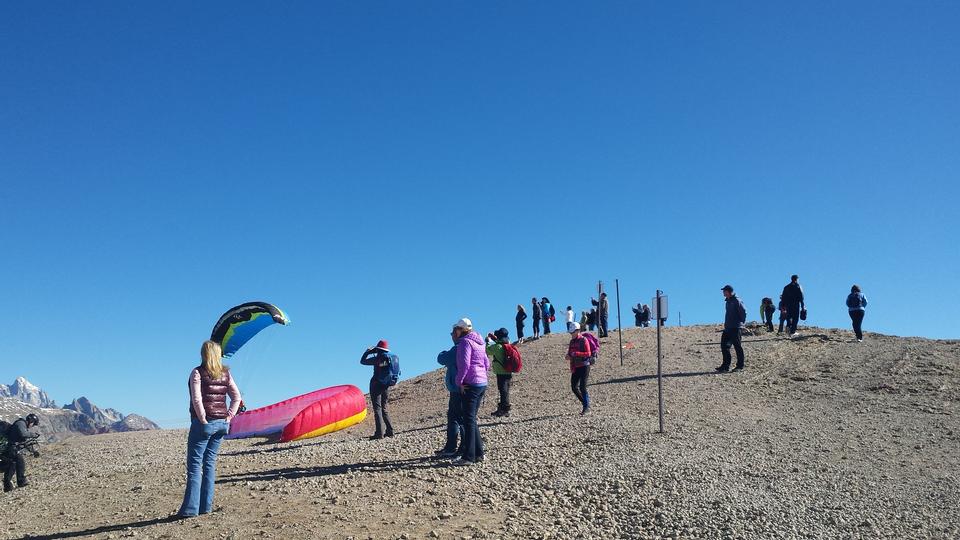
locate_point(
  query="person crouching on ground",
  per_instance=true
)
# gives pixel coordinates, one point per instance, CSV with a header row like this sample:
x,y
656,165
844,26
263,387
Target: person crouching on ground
x,y
448,359
472,367
498,356
733,320
767,310
19,437
210,383
579,353
378,356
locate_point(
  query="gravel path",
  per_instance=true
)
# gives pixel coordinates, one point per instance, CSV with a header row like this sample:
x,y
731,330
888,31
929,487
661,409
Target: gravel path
x,y
821,437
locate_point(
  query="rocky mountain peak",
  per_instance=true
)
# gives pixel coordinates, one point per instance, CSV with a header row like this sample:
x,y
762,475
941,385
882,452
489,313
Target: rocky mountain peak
x,y
27,392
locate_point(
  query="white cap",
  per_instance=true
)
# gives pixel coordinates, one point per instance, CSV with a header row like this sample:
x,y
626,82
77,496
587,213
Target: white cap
x,y
464,324
574,327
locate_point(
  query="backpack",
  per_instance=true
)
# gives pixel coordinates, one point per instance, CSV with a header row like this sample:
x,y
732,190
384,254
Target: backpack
x,y
594,345
853,301
552,313
394,370
512,362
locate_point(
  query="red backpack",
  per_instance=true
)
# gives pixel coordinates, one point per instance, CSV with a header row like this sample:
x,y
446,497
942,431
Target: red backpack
x,y
512,362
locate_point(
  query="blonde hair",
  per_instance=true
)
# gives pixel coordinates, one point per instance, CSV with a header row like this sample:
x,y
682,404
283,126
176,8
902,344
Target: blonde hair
x,y
210,355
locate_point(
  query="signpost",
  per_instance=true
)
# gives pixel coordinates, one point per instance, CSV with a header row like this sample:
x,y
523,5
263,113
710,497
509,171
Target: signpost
x,y
660,303
619,325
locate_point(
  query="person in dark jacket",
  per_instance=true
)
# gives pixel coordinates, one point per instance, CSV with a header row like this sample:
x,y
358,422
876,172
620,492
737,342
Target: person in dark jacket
x,y
378,356
766,312
209,384
521,316
603,311
733,321
784,319
537,315
793,300
591,319
856,304
19,436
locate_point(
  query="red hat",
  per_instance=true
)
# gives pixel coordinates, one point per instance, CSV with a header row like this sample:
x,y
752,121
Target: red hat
x,y
382,345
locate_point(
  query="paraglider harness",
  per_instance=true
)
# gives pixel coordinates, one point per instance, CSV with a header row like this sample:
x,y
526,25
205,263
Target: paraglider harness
x,y
9,449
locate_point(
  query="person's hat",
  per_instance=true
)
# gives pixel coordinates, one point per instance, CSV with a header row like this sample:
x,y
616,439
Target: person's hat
x,y
574,327
464,324
382,345
727,288
502,333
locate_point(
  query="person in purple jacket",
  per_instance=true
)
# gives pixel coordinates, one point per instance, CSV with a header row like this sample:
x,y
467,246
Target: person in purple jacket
x,y
472,367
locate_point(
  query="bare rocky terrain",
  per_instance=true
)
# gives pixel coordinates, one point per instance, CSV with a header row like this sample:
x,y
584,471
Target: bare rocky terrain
x,y
820,437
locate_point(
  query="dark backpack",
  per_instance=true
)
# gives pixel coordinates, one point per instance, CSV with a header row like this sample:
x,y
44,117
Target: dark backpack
x,y
4,439
853,300
594,345
512,361
553,312
394,370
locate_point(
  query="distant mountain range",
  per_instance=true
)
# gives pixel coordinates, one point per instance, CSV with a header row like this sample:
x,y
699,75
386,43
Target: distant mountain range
x,y
80,417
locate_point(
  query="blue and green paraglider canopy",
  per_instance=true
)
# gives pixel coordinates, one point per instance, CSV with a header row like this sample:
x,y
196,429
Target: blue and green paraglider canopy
x,y
239,324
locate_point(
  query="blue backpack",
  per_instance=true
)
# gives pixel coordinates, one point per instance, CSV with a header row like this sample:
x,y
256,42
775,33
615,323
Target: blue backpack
x,y
393,374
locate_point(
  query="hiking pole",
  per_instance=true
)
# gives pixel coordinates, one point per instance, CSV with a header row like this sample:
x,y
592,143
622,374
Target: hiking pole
x,y
659,362
619,325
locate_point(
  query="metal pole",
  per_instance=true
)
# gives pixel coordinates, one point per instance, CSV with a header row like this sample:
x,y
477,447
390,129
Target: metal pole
x,y
659,361
619,325
599,292
679,319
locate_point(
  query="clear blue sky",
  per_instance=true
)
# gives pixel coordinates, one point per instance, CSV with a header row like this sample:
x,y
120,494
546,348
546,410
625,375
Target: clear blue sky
x,y
380,169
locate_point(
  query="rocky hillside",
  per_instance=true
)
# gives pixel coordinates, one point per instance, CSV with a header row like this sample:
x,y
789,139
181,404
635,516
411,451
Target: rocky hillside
x,y
820,437
80,417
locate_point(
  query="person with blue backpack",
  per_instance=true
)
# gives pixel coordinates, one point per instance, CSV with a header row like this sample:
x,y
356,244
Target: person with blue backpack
x,y
549,314
856,305
386,372
448,359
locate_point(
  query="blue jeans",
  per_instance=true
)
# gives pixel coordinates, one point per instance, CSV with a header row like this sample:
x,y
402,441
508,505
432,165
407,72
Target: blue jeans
x,y
454,422
203,443
472,443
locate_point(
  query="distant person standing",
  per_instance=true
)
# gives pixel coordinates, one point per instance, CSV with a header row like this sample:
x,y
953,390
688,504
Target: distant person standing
x,y
497,354
549,314
591,319
570,316
583,319
210,384
537,315
856,305
784,318
19,437
448,359
472,367
766,312
793,299
380,357
521,316
580,351
733,321
603,310
645,317
638,315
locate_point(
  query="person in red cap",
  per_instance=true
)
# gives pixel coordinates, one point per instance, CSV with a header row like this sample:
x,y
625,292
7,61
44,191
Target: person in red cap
x,y
380,358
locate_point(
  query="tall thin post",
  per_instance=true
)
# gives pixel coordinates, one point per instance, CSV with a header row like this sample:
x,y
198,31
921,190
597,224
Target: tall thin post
x,y
659,361
599,292
679,319
619,325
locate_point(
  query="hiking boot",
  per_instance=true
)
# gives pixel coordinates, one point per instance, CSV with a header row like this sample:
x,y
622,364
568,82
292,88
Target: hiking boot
x,y
376,436
388,434
738,368
721,369
498,412
460,461
586,409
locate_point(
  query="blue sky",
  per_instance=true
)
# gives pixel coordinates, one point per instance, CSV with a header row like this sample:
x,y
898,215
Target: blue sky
x,y
380,169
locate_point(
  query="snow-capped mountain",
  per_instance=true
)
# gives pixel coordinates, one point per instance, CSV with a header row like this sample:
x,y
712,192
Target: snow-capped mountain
x,y
26,392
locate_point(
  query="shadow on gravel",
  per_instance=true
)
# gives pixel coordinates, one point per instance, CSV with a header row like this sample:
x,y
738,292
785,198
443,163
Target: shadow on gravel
x,y
108,528
639,378
507,422
332,470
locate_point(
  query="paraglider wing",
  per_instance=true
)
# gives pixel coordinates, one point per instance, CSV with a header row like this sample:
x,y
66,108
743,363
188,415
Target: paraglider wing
x,y
242,322
310,415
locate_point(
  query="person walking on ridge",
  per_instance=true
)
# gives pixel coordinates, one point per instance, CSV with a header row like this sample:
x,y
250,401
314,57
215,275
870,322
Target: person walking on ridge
x,y
19,437
521,316
537,315
580,351
793,300
570,316
766,312
472,367
380,357
448,359
210,384
733,321
603,310
497,355
856,305
549,313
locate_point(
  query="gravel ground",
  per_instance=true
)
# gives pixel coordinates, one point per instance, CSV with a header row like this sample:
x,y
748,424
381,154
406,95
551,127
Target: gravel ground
x,y
820,437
